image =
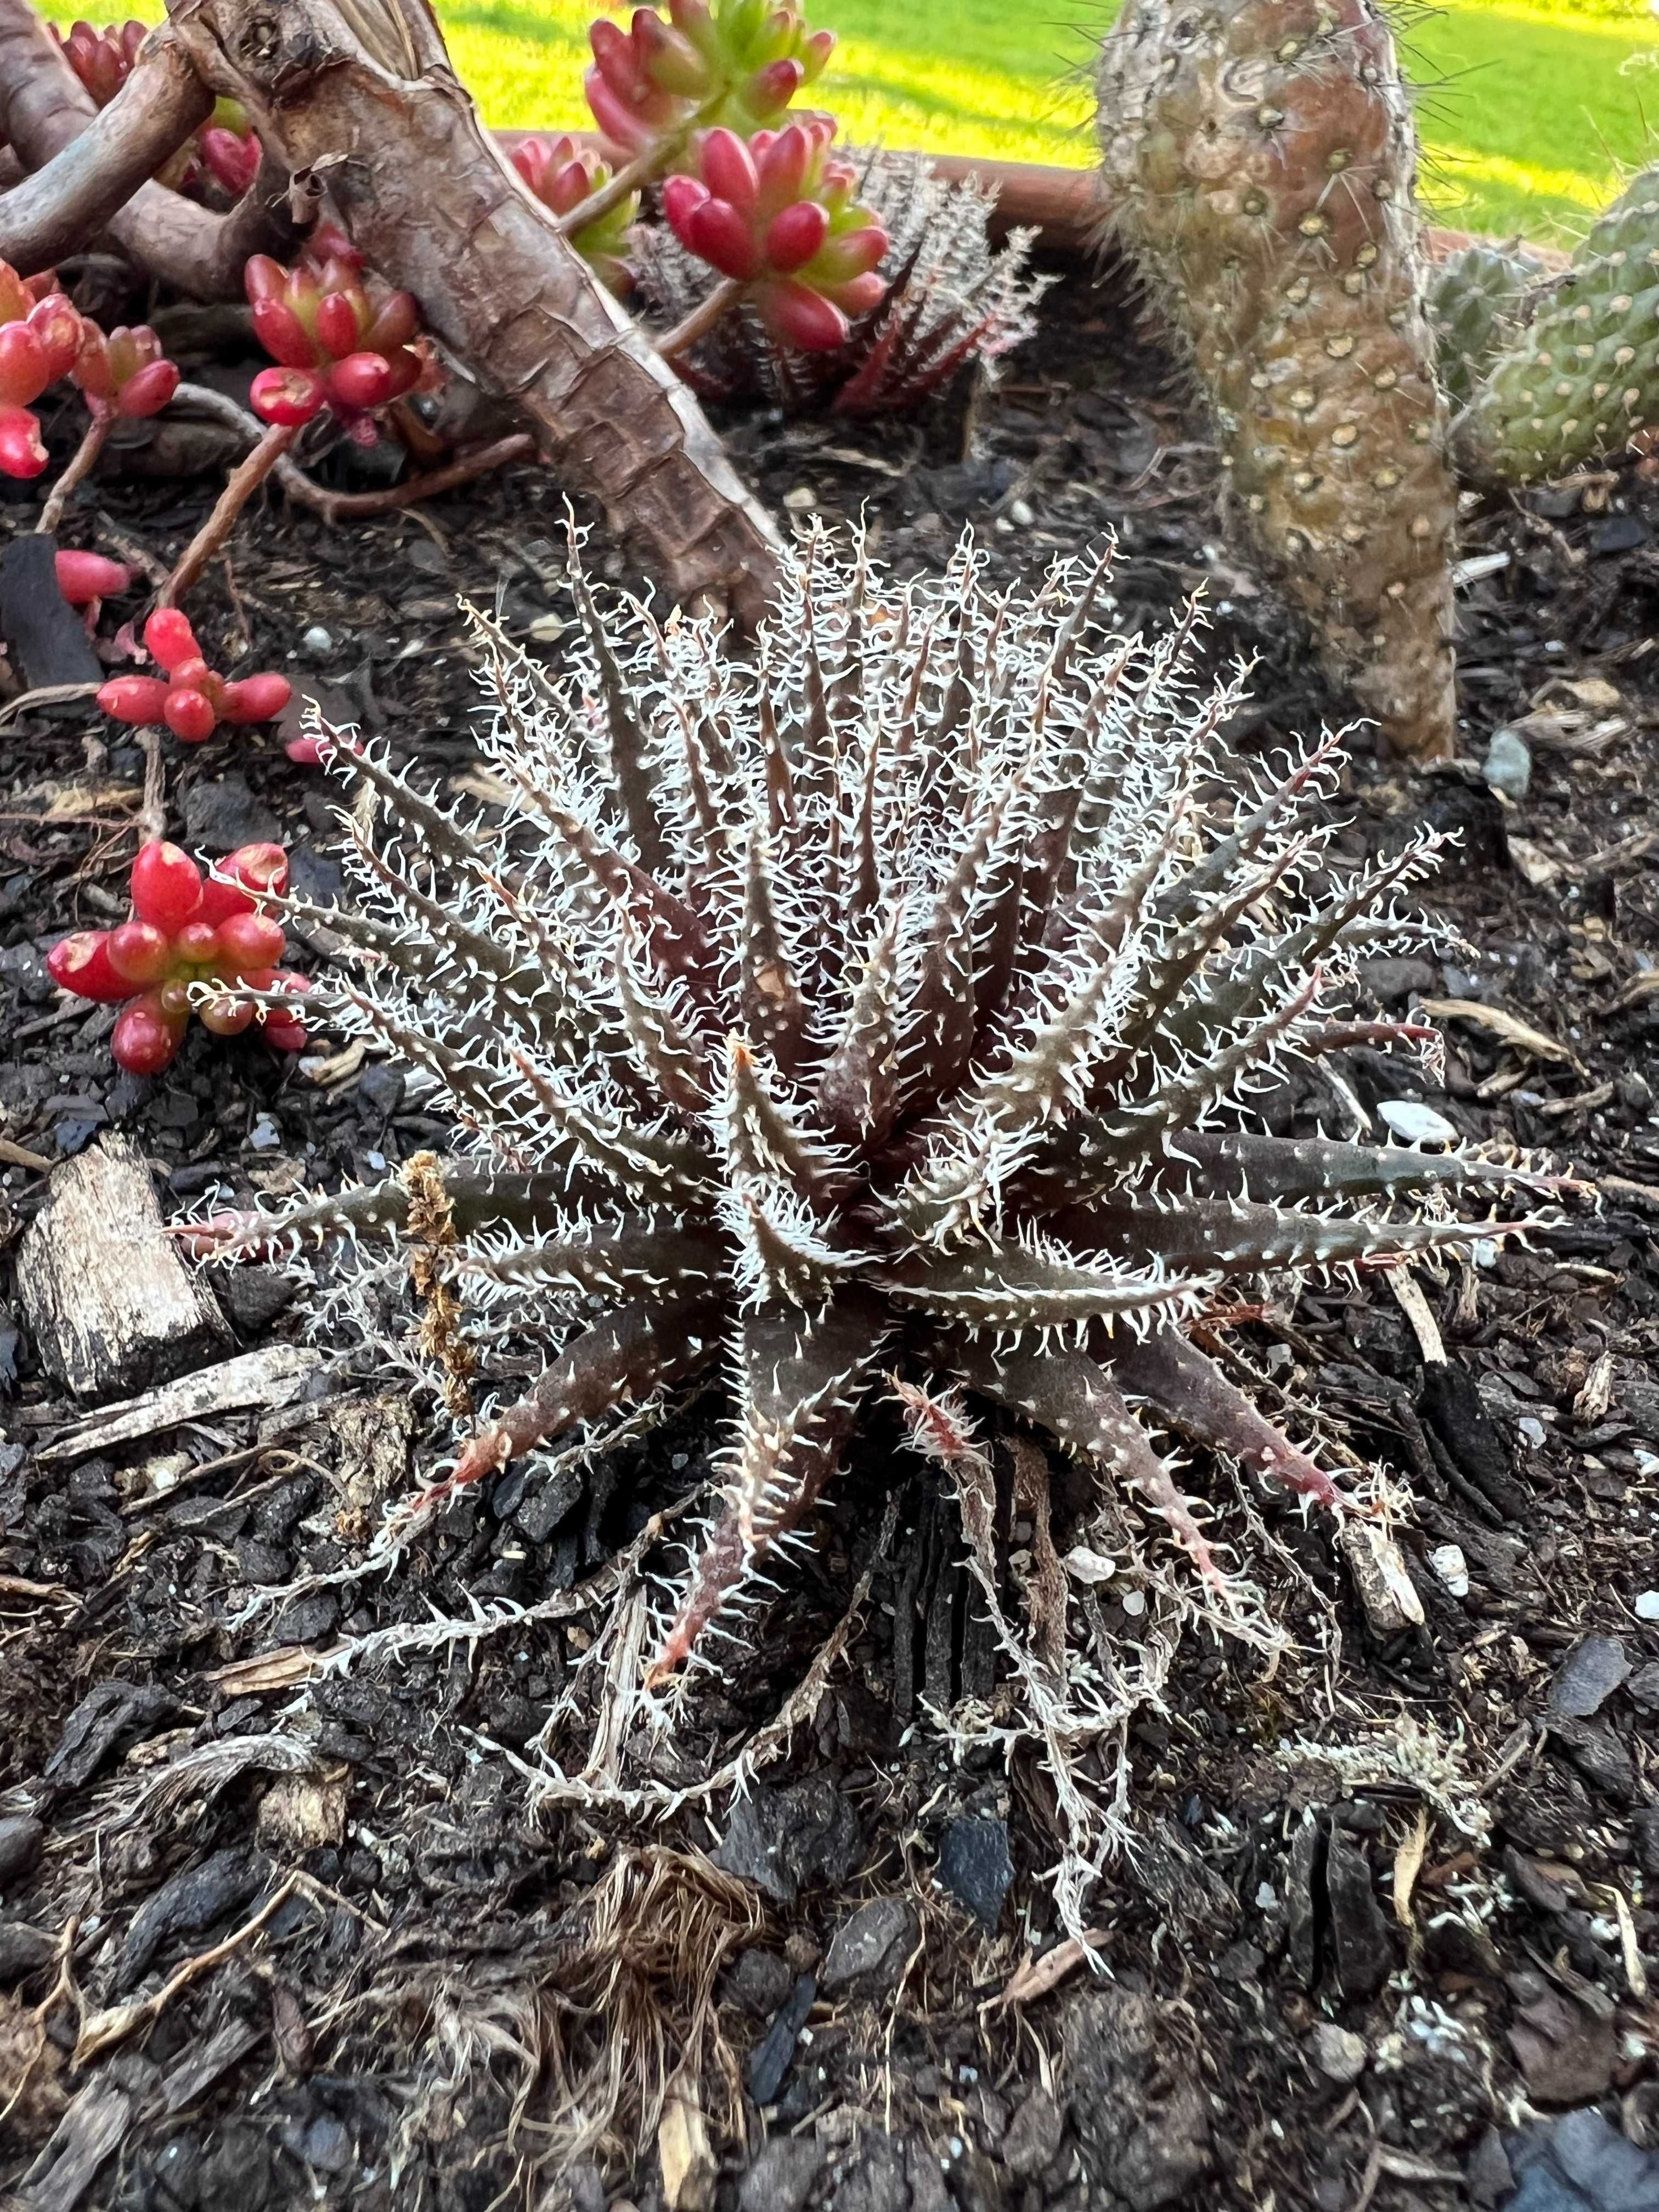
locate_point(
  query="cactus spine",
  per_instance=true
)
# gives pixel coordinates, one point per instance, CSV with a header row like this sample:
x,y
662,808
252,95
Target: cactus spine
x,y
1260,160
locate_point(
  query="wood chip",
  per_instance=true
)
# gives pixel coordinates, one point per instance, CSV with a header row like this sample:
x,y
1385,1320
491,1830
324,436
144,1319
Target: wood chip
x,y
1408,1295
1384,1587
1509,1027
689,2166
274,1376
112,1306
272,1670
1034,1977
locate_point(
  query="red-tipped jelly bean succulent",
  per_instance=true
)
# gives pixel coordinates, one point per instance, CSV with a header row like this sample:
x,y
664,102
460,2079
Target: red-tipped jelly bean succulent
x,y
86,580
335,346
186,930
189,698
563,174
124,375
225,145
231,157
739,62
40,334
102,59
778,215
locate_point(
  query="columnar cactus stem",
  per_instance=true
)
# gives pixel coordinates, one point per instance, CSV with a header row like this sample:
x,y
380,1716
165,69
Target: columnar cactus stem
x,y
1260,158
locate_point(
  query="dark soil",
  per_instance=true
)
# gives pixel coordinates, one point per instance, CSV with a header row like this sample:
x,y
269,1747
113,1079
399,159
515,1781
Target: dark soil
x,y
1386,1905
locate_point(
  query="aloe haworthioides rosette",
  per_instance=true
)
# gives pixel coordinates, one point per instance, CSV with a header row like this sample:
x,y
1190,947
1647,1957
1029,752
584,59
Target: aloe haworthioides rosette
x,y
337,347
777,215
186,932
1477,298
1583,376
1259,158
563,174
740,64
894,996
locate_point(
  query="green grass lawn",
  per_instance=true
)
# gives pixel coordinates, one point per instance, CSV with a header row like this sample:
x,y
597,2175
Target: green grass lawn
x,y
1527,111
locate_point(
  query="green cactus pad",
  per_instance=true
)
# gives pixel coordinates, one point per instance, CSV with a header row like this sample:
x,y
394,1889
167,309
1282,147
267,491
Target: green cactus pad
x,y
1584,376
1477,303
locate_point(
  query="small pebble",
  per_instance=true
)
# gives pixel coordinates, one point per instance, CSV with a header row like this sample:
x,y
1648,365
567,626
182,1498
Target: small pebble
x,y
1508,767
1647,1606
1090,1566
1338,2053
1415,1123
1453,1569
316,643
1021,513
1135,1602
1532,1431
265,1136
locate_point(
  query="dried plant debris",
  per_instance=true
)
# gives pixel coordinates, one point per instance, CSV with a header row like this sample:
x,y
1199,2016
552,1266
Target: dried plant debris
x,y
879,1013
952,299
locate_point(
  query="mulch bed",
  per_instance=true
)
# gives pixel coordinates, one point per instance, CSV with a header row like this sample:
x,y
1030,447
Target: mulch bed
x,y
1386,1908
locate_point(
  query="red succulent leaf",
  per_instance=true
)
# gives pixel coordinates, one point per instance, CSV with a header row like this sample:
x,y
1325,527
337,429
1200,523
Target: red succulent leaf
x,y
165,886
85,578
136,699
286,397
147,1034
81,963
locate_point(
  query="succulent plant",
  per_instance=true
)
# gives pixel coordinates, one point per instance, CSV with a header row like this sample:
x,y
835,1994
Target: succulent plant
x,y
86,580
41,334
563,174
1583,376
225,145
776,215
891,1001
739,62
126,375
185,935
190,698
338,349
1261,160
1477,300
950,298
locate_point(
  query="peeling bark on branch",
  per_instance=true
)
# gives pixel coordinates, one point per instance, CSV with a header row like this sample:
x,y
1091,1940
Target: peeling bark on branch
x,y
366,101
44,110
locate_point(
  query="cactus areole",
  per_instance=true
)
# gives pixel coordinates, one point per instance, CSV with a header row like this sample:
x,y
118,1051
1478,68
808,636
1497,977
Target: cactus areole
x,y
1260,160
891,1001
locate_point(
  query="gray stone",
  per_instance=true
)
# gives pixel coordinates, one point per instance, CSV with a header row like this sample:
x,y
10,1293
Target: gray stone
x,y
974,1866
868,1951
1508,765
779,1839
1581,2164
20,1839
1338,2053
1392,983
781,2178
221,816
26,971
1643,1687
1033,2137
758,1983
23,1950
1588,1676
